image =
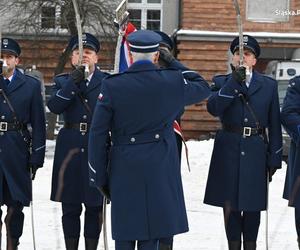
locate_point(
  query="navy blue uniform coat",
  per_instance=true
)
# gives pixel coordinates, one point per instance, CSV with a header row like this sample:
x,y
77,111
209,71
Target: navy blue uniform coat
x,y
290,117
24,93
70,182
139,107
238,168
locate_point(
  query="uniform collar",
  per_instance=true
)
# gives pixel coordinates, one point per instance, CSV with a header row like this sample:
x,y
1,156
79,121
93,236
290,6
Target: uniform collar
x,y
142,65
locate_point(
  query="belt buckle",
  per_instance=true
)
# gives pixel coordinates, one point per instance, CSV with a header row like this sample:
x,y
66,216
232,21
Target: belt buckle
x,y
247,131
3,126
83,127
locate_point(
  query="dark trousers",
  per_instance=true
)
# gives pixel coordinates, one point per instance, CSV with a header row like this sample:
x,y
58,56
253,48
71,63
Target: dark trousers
x,y
71,220
14,219
239,223
167,241
297,220
141,245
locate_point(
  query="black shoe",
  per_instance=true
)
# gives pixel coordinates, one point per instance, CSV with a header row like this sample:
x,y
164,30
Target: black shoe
x,y
249,245
298,240
71,243
163,246
234,245
91,244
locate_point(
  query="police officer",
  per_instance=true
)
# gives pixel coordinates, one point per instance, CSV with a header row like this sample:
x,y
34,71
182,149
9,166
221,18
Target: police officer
x,y
166,49
291,121
75,98
247,149
139,107
22,138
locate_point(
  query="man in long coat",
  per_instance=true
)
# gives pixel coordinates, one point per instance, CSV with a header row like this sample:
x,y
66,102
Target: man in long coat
x,y
139,107
22,139
247,149
75,98
290,117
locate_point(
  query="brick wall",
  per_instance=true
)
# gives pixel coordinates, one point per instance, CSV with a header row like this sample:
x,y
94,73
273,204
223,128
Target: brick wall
x,y
45,55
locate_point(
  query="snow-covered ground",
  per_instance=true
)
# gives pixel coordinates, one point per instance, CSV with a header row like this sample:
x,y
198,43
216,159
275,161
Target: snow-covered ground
x,y
206,222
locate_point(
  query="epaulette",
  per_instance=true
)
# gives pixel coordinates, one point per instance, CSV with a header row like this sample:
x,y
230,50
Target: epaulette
x,y
218,82
62,74
32,77
113,75
294,81
269,77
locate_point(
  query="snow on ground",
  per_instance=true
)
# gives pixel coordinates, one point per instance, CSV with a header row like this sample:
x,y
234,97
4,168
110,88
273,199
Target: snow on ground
x,y
206,222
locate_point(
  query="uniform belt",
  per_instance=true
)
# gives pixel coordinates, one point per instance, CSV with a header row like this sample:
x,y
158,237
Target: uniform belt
x,y
82,126
148,137
245,131
10,126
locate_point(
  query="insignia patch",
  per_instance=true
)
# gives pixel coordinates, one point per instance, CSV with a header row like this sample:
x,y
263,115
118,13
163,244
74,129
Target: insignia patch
x,y
100,97
5,42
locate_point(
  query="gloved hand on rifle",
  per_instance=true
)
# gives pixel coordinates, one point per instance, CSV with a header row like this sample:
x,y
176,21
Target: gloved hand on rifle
x,y
77,74
105,193
32,169
271,172
238,73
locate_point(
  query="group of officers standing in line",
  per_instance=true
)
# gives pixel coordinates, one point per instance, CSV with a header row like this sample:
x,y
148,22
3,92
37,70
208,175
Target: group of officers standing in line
x,y
118,140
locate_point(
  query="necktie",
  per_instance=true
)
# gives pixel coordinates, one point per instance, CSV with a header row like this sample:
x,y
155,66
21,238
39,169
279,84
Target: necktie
x,y
7,82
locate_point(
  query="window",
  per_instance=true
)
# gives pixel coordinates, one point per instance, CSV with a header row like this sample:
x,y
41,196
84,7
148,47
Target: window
x,y
269,11
53,17
48,17
146,14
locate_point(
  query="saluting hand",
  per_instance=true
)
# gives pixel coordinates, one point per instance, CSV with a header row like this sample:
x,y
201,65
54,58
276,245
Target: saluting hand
x,y
165,56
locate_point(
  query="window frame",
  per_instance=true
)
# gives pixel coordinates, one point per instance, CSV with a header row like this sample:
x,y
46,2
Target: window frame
x,y
144,7
285,18
57,18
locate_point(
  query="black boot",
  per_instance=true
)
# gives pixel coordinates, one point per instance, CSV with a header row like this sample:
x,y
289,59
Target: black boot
x,y
91,244
249,245
298,242
234,245
71,243
163,246
12,244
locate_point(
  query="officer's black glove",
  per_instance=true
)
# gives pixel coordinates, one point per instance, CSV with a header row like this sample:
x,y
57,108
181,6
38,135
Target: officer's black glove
x,y
165,56
239,73
33,168
77,74
271,171
105,192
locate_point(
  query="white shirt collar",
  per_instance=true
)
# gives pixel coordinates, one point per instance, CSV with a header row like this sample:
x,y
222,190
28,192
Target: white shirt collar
x,y
89,78
9,78
249,80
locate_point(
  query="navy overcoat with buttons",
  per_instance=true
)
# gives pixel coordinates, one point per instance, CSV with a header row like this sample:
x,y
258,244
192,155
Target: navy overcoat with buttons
x,y
139,107
70,182
24,94
237,176
290,117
